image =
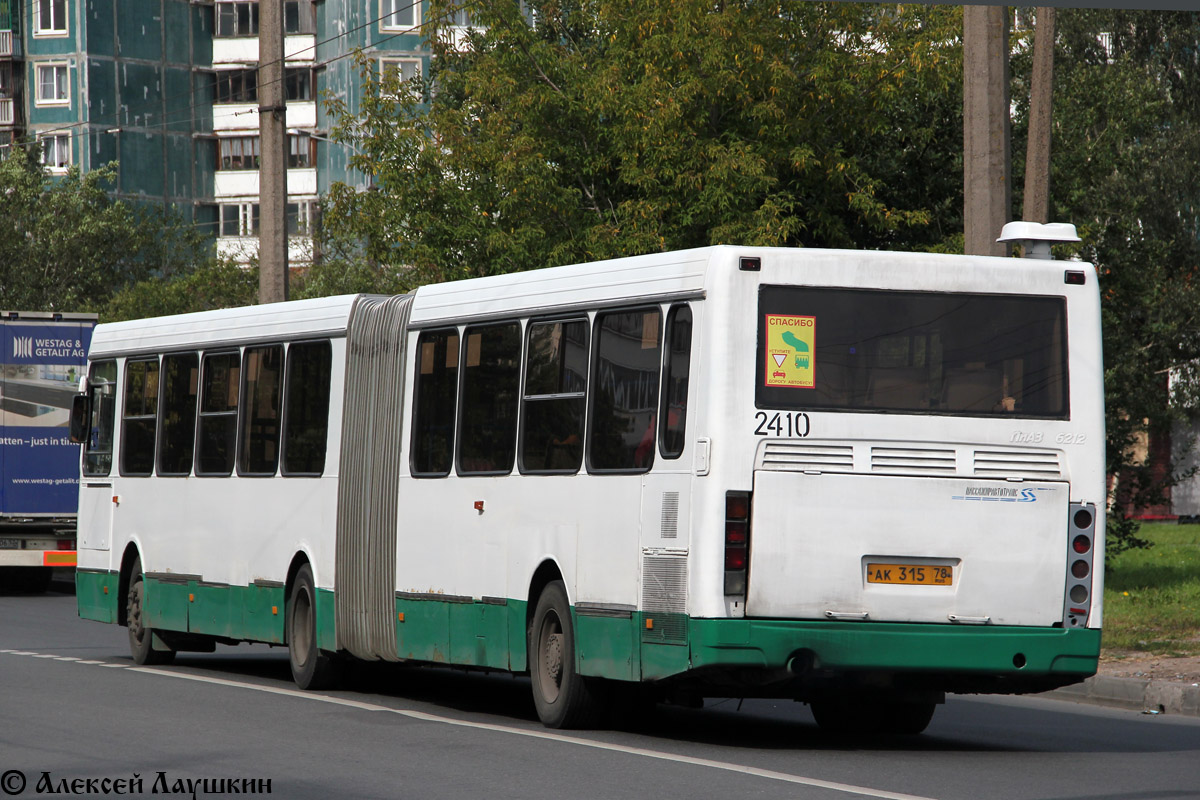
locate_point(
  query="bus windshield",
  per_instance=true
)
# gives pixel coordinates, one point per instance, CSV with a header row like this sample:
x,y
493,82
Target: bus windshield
x,y
912,352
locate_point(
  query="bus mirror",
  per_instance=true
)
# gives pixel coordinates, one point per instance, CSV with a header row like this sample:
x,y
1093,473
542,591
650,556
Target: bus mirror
x,y
80,411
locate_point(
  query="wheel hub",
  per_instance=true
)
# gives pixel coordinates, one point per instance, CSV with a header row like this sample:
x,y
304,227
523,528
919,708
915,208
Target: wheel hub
x,y
553,656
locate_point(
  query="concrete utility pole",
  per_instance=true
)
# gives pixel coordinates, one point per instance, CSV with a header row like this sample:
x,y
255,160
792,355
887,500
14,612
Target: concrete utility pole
x,y
1037,156
987,189
272,174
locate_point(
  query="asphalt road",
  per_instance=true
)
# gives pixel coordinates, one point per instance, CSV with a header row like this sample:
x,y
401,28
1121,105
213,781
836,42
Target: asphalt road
x,y
74,708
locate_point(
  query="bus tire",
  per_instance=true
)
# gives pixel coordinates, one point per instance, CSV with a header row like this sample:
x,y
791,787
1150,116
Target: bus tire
x,y
141,636
844,716
563,697
311,668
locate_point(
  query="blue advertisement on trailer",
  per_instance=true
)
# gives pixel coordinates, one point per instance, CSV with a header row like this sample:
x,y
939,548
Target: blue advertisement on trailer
x,y
41,361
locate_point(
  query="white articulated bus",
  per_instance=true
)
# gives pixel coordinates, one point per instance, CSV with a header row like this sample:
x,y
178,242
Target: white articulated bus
x,y
856,479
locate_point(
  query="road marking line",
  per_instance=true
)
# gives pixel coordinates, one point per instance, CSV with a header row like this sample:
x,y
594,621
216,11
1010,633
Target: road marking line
x,y
44,655
548,735
81,661
65,658
115,666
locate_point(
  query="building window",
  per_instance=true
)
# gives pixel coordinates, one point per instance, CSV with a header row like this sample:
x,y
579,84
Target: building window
x,y
50,17
236,86
399,69
56,151
239,219
460,18
238,152
302,151
237,19
395,14
53,85
298,84
241,85
298,17
300,217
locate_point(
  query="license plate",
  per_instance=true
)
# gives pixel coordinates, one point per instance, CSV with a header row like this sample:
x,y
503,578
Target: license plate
x,y
10,544
910,574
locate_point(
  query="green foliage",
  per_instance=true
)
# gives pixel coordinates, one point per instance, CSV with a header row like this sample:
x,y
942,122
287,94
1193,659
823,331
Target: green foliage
x,y
344,270
1124,169
217,284
589,129
66,244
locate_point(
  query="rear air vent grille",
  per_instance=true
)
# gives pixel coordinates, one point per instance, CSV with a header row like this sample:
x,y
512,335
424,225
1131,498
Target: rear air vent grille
x,y
1023,464
664,599
912,461
805,457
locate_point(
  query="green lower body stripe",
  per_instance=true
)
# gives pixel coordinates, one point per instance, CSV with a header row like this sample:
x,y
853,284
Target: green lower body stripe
x,y
628,648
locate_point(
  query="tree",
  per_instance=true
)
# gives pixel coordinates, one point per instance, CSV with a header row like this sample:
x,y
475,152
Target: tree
x,y
66,244
1126,149
216,284
589,129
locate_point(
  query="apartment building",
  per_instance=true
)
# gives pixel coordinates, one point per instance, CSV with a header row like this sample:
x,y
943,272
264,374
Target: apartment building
x,y
169,90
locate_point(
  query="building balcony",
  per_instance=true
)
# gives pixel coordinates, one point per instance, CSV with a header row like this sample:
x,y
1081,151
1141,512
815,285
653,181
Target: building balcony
x,y
244,116
242,249
244,183
6,111
244,49
10,45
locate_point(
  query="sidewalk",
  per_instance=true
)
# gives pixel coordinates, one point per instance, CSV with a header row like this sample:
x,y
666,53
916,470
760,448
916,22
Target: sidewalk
x,y
1137,694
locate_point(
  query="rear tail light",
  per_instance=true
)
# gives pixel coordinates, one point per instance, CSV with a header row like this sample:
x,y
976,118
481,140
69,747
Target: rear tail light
x,y
1080,554
737,541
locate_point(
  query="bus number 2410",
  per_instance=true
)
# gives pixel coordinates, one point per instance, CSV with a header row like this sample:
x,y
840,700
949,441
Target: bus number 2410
x,y
793,424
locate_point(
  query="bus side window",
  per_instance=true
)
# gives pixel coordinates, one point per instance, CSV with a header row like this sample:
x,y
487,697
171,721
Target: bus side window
x,y
624,386
306,408
97,451
261,396
673,416
555,384
435,396
177,437
140,417
487,440
217,428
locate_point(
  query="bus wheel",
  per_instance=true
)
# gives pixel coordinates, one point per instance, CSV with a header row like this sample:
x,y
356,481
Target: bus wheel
x,y
141,636
562,696
311,669
872,716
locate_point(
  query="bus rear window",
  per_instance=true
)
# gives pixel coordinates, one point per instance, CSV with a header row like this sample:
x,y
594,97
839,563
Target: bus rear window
x,y
912,352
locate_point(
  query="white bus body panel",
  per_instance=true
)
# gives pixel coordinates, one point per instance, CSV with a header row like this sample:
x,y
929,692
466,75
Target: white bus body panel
x,y
813,536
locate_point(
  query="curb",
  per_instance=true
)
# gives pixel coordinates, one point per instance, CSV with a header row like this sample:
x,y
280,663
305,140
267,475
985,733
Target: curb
x,y
1135,694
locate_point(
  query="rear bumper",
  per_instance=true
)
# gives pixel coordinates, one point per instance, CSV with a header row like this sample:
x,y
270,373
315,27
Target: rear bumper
x,y
969,658
37,558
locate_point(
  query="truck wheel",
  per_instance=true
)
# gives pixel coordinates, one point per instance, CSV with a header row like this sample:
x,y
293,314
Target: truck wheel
x,y
563,697
141,636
